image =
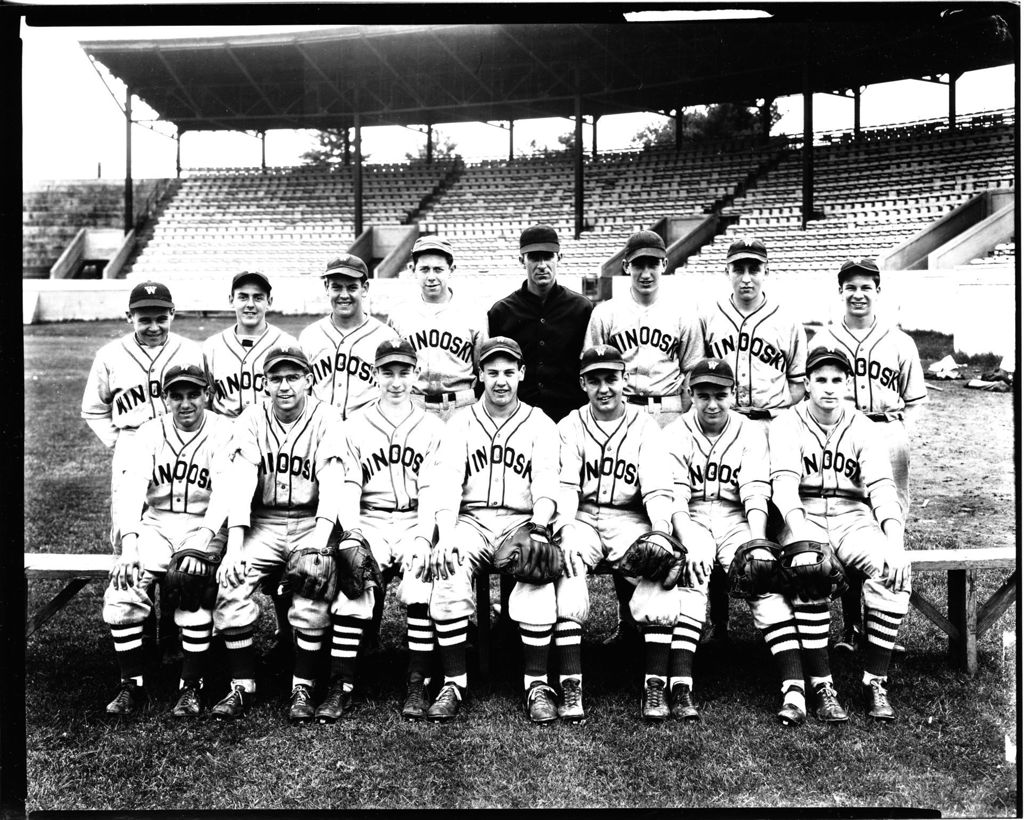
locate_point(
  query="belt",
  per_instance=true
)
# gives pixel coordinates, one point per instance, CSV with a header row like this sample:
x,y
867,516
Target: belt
x,y
754,413
438,398
392,509
648,401
897,416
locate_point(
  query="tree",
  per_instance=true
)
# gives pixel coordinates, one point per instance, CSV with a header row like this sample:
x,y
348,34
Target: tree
x,y
721,121
330,149
444,149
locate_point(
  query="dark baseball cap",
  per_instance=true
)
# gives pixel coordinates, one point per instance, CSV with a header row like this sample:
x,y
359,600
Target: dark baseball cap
x,y
433,244
346,265
822,356
394,350
501,346
191,373
539,238
712,371
150,294
253,276
862,267
601,357
747,247
644,243
289,354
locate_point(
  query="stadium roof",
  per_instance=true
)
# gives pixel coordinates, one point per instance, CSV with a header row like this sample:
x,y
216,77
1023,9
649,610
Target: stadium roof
x,y
412,74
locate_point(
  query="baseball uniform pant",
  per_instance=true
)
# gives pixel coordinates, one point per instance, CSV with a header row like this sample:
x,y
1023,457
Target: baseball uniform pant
x,y
448,404
895,435
664,409
118,466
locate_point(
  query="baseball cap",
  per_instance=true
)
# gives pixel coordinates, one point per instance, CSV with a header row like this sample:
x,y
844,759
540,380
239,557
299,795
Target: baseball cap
x,y
601,357
747,247
853,267
433,243
539,238
394,350
501,345
280,355
346,265
150,294
193,374
250,276
712,371
821,356
644,243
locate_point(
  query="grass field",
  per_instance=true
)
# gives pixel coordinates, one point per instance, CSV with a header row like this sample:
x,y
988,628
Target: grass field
x,y
946,751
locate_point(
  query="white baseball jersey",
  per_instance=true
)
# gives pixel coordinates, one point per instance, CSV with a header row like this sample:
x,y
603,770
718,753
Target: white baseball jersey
x,y
446,338
660,343
834,470
170,470
235,366
887,373
497,463
342,362
123,388
766,350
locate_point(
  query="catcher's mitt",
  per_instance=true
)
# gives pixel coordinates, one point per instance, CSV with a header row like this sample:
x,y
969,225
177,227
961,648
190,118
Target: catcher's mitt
x,y
188,591
751,577
655,556
529,554
823,579
358,570
312,573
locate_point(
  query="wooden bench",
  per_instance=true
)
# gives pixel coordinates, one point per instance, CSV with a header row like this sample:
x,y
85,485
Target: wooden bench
x,y
76,568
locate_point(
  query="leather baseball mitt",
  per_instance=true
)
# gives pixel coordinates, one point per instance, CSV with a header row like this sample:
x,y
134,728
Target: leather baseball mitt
x,y
750,575
312,573
192,591
358,570
655,556
823,579
529,554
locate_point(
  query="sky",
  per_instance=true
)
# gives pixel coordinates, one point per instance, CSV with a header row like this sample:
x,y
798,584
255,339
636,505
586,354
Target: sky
x,y
61,86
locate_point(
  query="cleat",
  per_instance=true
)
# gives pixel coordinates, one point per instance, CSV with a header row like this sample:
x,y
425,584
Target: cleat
x,y
791,714
233,705
719,635
300,707
652,700
850,640
188,701
571,708
828,709
625,634
877,700
682,703
416,702
129,698
333,706
446,705
540,703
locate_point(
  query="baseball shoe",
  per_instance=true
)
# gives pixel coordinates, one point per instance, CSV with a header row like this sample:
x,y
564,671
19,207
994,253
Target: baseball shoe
x,y
128,698
300,706
336,702
416,701
850,640
233,705
446,705
827,708
540,703
625,634
188,701
682,703
571,708
877,700
719,635
652,700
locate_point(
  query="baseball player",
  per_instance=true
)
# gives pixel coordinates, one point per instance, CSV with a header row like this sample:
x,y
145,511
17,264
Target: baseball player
x,y
497,469
284,484
389,454
766,347
720,465
660,341
340,347
615,485
833,483
445,331
164,506
888,385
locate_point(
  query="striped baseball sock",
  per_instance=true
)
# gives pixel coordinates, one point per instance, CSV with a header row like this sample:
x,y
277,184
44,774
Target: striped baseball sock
x,y
784,644
307,648
536,646
420,630
812,622
241,654
195,641
657,640
451,638
685,636
568,635
346,635
128,646
881,629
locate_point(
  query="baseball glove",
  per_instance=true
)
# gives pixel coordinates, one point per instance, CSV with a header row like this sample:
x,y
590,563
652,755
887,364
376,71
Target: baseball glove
x,y
751,577
825,578
529,554
358,570
655,556
188,591
312,573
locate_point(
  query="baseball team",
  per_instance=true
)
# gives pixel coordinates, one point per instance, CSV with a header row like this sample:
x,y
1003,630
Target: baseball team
x,y
697,451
